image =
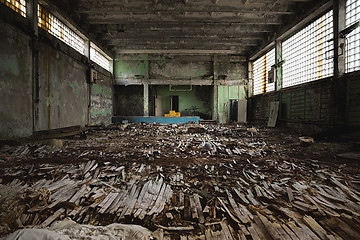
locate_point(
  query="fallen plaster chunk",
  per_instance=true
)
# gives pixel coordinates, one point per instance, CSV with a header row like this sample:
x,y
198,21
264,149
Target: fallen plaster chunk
x,y
70,230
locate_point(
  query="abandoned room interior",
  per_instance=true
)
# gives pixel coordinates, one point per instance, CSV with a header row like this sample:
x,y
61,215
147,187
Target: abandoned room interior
x,y
180,119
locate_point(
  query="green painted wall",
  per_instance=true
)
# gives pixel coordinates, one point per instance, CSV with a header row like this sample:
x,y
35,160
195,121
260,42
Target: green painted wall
x,y
101,102
199,96
133,66
227,93
127,67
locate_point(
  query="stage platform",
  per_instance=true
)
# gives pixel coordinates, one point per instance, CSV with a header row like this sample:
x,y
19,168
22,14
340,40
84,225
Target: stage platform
x,y
168,120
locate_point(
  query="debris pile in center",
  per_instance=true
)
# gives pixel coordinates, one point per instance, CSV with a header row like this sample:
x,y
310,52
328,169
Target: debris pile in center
x,y
247,185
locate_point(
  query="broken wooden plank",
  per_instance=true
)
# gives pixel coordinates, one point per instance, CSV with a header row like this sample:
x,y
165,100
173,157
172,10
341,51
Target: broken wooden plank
x,y
52,218
188,228
228,211
244,218
241,196
290,194
58,133
345,189
226,232
315,227
193,208
106,205
199,208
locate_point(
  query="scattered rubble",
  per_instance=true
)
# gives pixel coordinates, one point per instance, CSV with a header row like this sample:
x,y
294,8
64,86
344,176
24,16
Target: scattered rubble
x,y
250,184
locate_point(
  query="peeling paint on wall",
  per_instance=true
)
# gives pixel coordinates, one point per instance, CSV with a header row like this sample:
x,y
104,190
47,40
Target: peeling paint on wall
x,y
99,89
101,102
75,87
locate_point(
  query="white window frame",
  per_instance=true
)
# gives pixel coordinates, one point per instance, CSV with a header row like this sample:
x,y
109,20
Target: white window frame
x,y
352,57
308,54
100,57
261,68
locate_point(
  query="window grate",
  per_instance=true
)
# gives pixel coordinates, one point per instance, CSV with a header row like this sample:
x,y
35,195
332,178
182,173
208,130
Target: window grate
x,y
18,6
309,53
100,58
54,26
261,68
352,59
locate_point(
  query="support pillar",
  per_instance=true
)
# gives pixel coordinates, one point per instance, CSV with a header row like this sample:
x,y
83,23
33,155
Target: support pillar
x,y
339,18
32,15
339,84
250,84
278,65
215,94
146,99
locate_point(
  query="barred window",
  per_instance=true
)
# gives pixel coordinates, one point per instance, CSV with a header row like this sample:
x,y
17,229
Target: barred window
x,y
261,68
54,26
100,57
353,39
309,54
18,6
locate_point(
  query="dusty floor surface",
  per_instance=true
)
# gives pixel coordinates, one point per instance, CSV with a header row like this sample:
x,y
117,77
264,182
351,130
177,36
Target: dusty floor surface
x,y
185,182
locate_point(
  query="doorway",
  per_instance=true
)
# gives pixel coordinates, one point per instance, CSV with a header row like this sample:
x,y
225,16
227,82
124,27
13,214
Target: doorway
x,y
234,110
174,103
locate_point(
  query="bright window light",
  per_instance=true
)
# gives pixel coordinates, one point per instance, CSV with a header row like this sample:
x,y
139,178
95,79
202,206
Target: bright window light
x,y
54,26
353,39
309,53
261,68
100,57
18,6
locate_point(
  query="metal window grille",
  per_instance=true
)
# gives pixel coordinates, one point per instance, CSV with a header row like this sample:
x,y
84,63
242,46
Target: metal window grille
x,y
54,26
261,68
100,58
309,53
18,6
352,59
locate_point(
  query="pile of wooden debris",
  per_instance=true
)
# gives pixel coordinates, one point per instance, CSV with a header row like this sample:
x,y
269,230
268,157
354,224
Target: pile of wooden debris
x,y
248,186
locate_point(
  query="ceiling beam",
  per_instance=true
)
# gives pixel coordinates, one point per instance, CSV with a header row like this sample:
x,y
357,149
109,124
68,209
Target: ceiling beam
x,y
284,10
181,35
178,51
158,19
180,42
213,28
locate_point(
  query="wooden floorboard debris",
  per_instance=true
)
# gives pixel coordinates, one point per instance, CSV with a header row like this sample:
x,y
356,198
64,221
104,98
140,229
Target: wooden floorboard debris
x,y
194,212
188,228
290,194
199,208
228,211
52,218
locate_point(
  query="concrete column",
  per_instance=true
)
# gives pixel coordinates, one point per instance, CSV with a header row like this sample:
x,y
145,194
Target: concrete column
x,y
87,50
215,94
278,62
250,88
32,15
87,54
339,16
146,99
339,113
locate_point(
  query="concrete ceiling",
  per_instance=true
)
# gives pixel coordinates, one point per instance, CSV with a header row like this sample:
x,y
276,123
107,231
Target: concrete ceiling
x,y
198,26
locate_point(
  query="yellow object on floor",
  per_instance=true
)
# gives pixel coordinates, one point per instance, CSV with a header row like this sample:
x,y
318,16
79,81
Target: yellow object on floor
x,y
172,114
